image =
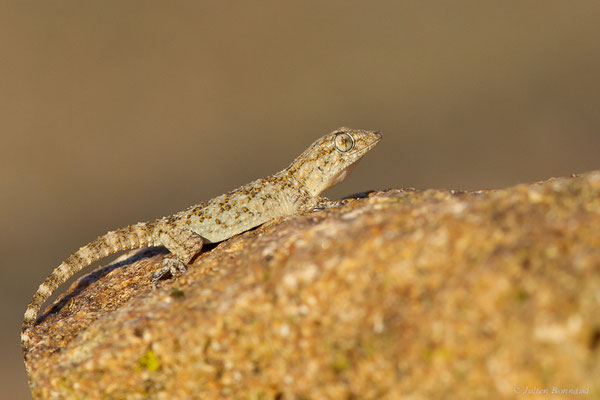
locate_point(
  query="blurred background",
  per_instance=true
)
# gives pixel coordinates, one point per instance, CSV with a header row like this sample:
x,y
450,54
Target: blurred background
x,y
116,112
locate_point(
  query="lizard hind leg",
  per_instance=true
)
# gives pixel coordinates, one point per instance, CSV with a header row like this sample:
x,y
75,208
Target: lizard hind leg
x,y
183,244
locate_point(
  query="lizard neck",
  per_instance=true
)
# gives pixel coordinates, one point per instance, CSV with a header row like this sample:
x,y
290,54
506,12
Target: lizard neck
x,y
314,177
292,195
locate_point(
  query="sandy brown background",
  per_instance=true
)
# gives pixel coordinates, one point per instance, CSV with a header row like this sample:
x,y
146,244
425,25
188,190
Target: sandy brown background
x,y
114,112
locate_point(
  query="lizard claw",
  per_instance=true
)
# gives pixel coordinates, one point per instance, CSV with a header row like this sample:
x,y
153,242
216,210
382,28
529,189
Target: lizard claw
x,y
171,266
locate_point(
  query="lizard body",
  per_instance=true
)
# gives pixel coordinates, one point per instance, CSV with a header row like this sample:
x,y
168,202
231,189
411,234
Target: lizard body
x,y
296,188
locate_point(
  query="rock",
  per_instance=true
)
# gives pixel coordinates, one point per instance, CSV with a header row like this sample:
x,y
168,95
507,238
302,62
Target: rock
x,y
420,294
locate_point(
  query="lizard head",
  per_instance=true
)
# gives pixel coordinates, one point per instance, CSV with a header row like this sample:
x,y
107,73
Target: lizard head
x,y
330,159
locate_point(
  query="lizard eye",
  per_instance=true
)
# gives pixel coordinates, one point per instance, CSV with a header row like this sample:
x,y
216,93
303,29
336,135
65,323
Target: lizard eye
x,y
344,142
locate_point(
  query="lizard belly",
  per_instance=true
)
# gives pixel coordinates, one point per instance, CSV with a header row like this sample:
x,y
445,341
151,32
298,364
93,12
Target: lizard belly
x,y
223,228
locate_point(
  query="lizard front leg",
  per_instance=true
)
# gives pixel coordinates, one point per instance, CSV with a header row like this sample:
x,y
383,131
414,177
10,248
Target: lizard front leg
x,y
184,244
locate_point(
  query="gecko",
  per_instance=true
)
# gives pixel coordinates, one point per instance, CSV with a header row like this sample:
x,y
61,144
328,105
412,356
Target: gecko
x,y
297,188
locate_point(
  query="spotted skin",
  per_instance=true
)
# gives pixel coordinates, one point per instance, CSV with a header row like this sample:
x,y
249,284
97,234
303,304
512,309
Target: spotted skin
x,y
298,187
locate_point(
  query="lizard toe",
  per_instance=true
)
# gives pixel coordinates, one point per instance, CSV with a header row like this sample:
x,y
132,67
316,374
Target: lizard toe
x,y
170,269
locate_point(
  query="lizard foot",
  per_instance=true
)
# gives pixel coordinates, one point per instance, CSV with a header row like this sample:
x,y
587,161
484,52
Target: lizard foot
x,y
324,203
171,268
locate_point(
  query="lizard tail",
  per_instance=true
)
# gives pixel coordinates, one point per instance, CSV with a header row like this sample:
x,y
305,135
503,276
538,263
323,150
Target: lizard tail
x,y
131,237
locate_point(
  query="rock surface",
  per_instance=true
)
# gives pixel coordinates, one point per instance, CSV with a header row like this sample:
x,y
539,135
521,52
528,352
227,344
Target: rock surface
x,y
402,294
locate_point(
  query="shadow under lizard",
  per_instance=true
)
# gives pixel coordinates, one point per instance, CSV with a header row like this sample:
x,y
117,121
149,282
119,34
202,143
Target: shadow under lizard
x,y
327,162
